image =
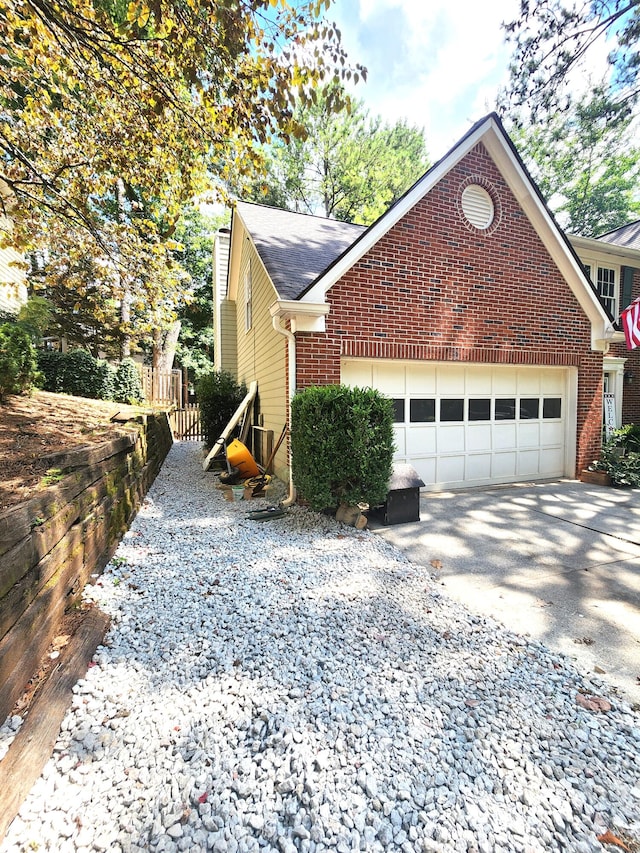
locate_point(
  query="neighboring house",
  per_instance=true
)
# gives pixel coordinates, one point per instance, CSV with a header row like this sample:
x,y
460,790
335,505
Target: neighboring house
x,y
465,303
613,263
13,282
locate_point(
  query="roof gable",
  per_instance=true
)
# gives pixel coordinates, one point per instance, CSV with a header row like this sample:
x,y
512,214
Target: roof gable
x,y
304,256
490,132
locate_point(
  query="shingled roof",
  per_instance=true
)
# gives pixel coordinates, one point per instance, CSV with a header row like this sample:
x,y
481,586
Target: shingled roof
x,y
627,236
295,247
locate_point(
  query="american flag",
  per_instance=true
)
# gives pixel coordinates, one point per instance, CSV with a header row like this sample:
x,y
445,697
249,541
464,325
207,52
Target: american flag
x,y
631,324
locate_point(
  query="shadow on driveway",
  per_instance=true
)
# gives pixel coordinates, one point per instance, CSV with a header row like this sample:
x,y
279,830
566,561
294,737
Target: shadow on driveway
x,y
558,561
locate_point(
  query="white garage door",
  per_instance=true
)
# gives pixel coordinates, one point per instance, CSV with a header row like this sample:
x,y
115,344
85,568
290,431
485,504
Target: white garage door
x,y
473,425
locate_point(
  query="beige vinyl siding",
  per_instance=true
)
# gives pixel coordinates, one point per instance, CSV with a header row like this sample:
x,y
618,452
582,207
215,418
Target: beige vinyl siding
x,y
13,290
262,351
227,351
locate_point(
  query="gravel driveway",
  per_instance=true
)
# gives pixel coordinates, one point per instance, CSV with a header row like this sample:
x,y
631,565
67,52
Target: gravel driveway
x,y
299,685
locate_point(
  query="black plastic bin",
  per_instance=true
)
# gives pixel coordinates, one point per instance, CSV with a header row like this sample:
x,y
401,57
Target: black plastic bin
x,y
403,496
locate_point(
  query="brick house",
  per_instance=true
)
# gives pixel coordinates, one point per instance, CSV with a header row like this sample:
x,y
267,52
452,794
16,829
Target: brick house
x,y
465,303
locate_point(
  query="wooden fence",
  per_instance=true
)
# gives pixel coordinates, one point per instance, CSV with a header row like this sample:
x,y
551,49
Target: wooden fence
x,y
186,423
160,386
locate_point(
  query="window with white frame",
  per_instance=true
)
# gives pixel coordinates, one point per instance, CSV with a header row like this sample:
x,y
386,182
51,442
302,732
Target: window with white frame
x,y
248,297
606,278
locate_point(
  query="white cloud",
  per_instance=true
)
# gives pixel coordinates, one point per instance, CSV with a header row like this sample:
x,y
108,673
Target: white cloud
x,y
439,64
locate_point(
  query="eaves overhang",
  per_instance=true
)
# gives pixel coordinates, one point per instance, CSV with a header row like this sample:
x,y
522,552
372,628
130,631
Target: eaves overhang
x,y
624,255
303,316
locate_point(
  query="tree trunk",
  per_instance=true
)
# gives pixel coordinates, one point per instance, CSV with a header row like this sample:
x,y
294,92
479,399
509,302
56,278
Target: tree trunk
x,y
170,344
156,355
164,346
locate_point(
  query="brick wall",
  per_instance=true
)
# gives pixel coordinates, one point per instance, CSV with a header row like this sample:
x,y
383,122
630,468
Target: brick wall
x,y
434,288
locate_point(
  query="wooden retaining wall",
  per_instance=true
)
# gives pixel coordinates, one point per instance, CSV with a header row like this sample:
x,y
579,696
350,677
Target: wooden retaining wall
x,y
52,543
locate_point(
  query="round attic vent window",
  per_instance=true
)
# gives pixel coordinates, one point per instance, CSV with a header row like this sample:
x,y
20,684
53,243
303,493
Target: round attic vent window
x,y
477,206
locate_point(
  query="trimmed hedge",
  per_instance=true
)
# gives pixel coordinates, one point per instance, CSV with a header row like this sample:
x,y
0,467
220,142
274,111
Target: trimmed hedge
x,y
18,364
342,445
219,395
127,383
50,366
77,372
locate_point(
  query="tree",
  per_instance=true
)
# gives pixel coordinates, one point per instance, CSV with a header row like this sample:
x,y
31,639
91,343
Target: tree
x,y
86,287
587,166
348,165
85,313
195,233
116,113
552,39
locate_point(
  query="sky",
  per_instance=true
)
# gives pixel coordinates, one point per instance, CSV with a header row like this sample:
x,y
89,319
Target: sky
x,y
437,63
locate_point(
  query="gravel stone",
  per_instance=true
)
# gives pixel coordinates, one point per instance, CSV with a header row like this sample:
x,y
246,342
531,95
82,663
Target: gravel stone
x,y
299,686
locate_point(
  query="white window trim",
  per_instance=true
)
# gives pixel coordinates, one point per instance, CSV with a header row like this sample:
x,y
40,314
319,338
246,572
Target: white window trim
x,y
595,261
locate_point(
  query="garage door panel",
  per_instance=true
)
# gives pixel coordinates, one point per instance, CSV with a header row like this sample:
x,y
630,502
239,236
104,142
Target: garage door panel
x,y
528,463
450,469
426,469
528,383
421,382
551,432
389,379
359,375
450,438
504,384
503,465
421,440
506,424
479,384
478,466
479,437
400,440
529,435
552,462
552,382
451,382
504,435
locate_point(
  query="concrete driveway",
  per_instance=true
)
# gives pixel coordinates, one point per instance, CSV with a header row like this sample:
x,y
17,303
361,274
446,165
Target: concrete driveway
x,y
559,561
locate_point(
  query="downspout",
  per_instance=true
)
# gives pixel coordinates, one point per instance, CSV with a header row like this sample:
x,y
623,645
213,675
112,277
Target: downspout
x,y
291,339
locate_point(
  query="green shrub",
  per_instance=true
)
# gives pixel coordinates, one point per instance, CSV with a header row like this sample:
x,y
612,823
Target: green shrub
x,y
127,385
620,457
628,436
77,372
341,445
85,376
50,364
18,364
219,395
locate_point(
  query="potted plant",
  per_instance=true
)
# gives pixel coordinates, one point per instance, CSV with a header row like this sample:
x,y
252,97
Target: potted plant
x,y
619,462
